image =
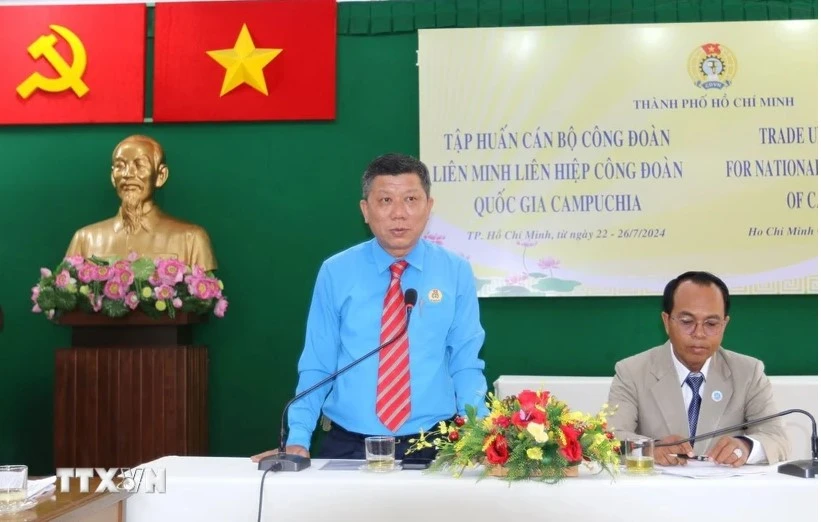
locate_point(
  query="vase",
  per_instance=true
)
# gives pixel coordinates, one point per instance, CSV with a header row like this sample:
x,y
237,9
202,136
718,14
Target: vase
x,y
572,470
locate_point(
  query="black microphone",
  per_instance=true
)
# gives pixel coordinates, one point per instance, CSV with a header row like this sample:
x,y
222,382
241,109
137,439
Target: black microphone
x,y
282,461
798,468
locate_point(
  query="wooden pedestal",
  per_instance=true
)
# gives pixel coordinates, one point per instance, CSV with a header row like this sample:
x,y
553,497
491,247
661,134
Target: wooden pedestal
x,y
129,390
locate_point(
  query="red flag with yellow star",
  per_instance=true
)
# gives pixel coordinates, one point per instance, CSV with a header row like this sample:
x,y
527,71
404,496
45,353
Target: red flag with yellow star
x,y
72,64
239,61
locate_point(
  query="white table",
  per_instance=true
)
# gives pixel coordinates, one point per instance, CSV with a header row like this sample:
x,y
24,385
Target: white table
x,y
227,490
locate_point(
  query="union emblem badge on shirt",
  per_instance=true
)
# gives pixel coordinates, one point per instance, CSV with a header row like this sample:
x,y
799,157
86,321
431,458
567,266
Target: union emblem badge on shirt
x,y
435,296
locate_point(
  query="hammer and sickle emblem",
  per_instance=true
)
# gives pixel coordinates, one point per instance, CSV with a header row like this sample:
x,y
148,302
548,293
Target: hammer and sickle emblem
x,y
70,75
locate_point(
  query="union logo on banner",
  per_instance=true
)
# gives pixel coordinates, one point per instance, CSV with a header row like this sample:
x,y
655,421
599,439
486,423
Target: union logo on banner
x,y
712,66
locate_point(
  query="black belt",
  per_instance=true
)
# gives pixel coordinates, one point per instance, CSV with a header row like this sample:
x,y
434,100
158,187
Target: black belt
x,y
400,439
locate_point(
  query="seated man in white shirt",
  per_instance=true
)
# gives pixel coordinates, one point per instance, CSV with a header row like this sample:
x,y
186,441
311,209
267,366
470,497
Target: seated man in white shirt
x,y
691,385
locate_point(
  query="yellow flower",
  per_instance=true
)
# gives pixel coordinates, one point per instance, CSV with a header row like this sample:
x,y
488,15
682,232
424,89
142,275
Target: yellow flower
x,y
443,428
538,432
146,292
487,423
72,288
160,305
574,417
534,453
85,290
486,445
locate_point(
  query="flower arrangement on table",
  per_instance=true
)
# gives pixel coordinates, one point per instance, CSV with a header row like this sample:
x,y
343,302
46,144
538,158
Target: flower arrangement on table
x,y
529,436
118,286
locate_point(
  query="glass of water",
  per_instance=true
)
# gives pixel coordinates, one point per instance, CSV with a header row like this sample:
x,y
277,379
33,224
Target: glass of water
x,y
379,453
638,456
13,488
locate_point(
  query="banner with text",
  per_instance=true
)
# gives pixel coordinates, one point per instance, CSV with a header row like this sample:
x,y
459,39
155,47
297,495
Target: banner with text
x,y
607,159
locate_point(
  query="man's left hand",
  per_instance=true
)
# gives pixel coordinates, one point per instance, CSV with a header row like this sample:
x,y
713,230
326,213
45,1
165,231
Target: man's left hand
x,y
731,451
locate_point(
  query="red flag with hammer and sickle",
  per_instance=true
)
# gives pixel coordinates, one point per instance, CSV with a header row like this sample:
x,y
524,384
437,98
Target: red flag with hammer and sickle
x,y
72,64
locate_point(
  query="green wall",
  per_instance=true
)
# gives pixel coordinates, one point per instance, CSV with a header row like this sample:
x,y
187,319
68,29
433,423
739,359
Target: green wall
x,y
277,198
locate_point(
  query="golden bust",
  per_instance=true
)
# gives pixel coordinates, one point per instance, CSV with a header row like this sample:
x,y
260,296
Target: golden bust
x,y
137,169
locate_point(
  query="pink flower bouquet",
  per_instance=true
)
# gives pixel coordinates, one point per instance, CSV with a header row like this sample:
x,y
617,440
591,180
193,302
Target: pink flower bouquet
x,y
116,287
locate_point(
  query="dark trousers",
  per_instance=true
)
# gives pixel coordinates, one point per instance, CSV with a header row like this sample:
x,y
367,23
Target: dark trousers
x,y
340,443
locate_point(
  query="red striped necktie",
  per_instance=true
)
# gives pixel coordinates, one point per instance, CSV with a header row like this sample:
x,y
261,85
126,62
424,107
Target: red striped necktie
x,y
393,381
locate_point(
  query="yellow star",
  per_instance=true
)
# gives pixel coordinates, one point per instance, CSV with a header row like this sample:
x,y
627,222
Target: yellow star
x,y
244,63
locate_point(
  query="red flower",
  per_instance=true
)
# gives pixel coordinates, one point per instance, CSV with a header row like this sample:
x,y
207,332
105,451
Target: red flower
x,y
532,406
570,432
538,416
502,421
528,400
519,419
453,436
497,451
459,421
572,450
522,417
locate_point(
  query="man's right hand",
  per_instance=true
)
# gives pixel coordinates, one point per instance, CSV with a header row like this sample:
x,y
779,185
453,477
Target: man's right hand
x,y
665,456
289,450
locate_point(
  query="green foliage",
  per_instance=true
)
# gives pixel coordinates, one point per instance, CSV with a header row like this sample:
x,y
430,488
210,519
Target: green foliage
x,y
143,268
114,308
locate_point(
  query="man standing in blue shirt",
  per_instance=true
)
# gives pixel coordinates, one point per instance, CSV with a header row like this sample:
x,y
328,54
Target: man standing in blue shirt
x,y
427,375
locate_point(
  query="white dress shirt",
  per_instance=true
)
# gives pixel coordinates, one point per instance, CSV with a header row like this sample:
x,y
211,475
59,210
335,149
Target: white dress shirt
x,y
757,455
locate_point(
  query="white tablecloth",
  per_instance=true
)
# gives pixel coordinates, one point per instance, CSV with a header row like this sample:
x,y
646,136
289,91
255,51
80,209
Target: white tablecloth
x,y
227,490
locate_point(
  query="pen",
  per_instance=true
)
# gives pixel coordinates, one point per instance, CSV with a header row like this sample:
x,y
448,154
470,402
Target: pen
x,y
685,456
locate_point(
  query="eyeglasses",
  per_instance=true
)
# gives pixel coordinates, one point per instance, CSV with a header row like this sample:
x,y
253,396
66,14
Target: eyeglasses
x,y
710,326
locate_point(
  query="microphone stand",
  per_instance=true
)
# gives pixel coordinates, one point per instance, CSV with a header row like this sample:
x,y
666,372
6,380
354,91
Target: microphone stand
x,y
282,461
798,468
